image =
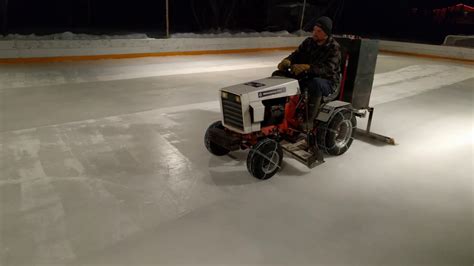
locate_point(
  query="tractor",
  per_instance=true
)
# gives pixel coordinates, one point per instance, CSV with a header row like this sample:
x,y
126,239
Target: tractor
x,y
266,116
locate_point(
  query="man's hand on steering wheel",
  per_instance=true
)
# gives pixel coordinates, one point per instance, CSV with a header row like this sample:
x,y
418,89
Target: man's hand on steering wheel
x,y
298,69
284,65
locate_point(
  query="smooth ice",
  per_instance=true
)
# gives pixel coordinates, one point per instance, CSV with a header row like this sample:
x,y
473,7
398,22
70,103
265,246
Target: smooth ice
x,y
103,163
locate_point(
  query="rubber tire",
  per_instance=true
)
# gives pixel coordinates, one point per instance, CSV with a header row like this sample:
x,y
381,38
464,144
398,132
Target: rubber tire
x,y
211,146
256,162
326,132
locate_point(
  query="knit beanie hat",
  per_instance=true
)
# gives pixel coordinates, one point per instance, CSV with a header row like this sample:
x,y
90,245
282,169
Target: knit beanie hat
x,y
325,24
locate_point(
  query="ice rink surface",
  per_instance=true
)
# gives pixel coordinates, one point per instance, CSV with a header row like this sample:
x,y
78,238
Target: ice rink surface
x,y
103,163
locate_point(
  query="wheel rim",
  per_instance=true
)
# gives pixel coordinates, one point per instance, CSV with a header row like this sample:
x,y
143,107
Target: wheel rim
x,y
343,133
271,162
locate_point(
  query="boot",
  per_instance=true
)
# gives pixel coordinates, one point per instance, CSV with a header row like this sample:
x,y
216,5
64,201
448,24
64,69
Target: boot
x,y
313,110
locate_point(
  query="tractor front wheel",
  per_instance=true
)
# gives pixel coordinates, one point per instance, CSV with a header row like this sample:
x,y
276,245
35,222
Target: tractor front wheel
x,y
264,159
210,145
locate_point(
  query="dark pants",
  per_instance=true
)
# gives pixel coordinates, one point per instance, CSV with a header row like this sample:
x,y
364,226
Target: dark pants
x,y
316,86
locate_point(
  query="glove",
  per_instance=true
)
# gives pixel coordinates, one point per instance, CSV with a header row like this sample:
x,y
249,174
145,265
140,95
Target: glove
x,y
298,69
284,65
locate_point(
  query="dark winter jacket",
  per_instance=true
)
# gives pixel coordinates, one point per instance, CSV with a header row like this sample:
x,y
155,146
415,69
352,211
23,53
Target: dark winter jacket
x,y
325,60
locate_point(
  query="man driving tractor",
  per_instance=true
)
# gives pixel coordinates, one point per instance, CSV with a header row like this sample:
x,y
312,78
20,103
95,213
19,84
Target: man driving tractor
x,y
318,57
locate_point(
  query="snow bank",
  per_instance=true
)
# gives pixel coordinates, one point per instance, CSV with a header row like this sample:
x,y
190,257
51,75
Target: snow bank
x,y
240,34
225,34
72,36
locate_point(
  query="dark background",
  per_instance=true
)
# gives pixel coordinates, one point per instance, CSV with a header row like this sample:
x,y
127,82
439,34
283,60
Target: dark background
x,y
406,20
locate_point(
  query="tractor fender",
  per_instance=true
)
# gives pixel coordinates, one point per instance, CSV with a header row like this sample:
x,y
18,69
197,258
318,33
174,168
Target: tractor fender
x,y
328,109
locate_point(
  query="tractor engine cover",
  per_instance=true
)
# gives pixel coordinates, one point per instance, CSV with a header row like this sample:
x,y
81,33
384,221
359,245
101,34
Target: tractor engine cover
x,y
247,107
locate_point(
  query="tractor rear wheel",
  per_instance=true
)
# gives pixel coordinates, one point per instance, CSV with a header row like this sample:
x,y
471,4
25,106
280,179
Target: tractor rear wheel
x,y
336,136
